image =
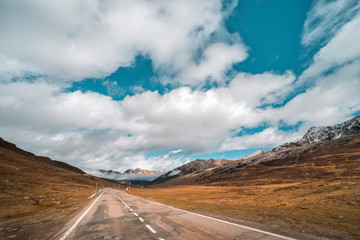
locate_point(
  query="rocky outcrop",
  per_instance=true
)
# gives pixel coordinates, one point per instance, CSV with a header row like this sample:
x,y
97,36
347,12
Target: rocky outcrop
x,y
317,134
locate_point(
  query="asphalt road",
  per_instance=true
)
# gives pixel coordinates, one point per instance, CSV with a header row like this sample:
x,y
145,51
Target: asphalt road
x,y
117,215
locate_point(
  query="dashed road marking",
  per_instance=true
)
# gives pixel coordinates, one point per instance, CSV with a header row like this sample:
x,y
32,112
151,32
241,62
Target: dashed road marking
x,y
220,220
150,228
142,220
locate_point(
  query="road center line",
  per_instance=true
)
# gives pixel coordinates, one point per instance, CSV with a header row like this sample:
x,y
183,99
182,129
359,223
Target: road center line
x,y
219,220
77,222
150,228
141,219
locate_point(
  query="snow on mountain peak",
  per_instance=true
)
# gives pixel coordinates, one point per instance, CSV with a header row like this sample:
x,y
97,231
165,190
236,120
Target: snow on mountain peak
x,y
317,134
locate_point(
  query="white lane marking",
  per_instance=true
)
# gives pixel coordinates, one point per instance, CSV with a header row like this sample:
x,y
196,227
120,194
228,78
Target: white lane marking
x,y
219,220
136,214
80,218
161,239
141,219
150,228
131,210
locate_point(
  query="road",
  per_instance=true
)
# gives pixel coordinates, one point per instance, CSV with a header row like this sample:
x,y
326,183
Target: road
x,y
117,215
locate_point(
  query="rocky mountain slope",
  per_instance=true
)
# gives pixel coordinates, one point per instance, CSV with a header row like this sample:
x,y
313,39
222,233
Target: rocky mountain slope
x,y
317,134
194,167
314,156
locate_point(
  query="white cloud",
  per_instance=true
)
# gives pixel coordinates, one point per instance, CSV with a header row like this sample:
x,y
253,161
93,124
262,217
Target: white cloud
x,y
341,49
261,89
164,162
326,18
72,40
269,137
217,59
334,76
333,99
90,129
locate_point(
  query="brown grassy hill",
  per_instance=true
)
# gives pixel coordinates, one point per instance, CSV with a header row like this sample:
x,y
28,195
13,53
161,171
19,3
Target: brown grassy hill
x,y
326,160
33,189
307,192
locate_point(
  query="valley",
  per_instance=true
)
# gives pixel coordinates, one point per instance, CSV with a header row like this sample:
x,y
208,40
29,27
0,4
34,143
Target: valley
x,y
299,190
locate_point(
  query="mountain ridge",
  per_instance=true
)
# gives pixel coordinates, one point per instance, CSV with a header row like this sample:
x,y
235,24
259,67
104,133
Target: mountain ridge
x,y
321,133
136,174
314,141
12,147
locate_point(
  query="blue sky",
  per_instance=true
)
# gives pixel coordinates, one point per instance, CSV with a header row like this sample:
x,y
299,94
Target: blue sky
x,y
154,84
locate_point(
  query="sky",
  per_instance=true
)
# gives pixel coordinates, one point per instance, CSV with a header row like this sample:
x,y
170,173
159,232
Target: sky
x,y
105,84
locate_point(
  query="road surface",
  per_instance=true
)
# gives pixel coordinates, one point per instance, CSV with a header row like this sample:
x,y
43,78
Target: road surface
x,y
117,215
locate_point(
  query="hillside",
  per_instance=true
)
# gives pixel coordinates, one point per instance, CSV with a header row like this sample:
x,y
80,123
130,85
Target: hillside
x,y
189,170
33,188
327,160
309,191
328,153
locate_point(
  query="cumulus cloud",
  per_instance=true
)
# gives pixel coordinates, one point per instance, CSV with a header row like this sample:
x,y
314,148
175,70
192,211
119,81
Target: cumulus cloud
x,y
334,76
81,125
72,40
269,137
217,59
165,162
260,89
333,99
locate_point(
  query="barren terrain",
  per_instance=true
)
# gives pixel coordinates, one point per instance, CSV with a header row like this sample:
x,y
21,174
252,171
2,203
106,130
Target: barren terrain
x,y
37,195
310,190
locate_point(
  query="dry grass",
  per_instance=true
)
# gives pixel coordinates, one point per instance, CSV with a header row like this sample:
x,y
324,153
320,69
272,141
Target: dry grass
x,y
323,209
304,192
38,195
40,213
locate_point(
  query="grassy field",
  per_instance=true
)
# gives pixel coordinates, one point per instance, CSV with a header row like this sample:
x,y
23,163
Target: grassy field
x,y
41,211
329,209
38,195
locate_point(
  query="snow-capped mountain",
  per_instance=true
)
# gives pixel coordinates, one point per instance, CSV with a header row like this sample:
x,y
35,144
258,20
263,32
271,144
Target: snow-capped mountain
x,y
143,172
317,134
258,152
193,167
130,174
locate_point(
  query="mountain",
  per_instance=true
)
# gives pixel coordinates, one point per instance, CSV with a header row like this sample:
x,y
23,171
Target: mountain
x,y
317,134
314,156
258,152
191,168
132,175
143,172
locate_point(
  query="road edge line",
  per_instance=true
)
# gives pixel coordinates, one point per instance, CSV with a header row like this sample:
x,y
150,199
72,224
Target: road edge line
x,y
78,221
220,220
